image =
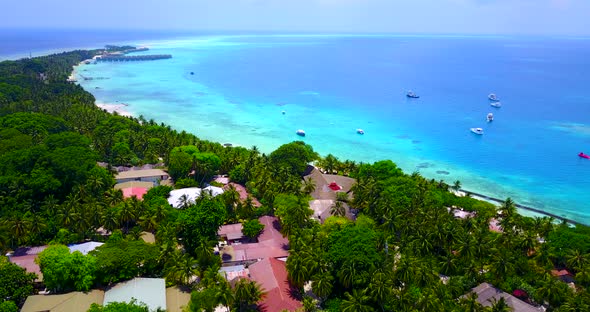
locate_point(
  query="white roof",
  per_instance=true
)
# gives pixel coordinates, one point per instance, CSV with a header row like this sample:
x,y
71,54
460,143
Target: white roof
x,y
192,194
151,291
85,248
142,173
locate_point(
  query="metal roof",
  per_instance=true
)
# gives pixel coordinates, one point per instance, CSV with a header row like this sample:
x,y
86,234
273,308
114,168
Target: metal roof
x,y
151,291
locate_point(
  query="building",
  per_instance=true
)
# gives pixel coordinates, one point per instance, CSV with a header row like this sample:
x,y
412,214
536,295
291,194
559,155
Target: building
x,y
25,258
151,291
231,233
144,175
271,274
85,248
70,302
190,195
487,295
271,244
134,188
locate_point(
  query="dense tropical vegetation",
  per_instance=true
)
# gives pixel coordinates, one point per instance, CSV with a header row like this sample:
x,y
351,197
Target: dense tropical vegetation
x,y
405,251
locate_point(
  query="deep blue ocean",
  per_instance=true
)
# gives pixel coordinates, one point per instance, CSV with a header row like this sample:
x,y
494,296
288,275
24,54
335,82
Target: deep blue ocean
x,y
330,85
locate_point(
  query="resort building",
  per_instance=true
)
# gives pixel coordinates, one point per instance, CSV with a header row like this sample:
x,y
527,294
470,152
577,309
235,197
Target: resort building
x,y
187,196
70,302
271,274
149,291
262,262
85,248
327,186
487,295
25,258
134,188
155,176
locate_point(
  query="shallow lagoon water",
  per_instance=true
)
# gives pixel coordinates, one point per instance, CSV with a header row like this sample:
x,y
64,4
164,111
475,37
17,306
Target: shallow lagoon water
x,y
331,85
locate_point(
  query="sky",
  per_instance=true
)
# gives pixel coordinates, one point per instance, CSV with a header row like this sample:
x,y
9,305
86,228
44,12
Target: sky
x,y
495,17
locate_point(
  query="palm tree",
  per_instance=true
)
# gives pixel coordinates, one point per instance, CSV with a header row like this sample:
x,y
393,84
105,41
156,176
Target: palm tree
x,y
357,302
180,268
308,186
456,186
500,306
297,270
338,209
380,289
322,284
552,290
348,274
576,260
246,295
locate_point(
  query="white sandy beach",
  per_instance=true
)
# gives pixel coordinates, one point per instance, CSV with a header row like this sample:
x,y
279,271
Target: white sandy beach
x,y
119,108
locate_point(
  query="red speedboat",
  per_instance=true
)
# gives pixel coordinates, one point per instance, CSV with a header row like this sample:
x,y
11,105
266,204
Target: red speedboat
x,y
584,155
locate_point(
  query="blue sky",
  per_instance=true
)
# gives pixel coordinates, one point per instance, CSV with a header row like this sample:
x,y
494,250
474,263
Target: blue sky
x,y
540,17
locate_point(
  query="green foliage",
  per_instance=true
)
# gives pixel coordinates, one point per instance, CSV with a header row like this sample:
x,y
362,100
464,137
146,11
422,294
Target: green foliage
x,y
252,228
120,260
294,156
64,271
132,306
293,211
15,283
199,223
8,306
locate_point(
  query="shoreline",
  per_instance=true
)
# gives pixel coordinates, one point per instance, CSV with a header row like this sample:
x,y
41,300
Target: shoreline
x,y
120,108
519,206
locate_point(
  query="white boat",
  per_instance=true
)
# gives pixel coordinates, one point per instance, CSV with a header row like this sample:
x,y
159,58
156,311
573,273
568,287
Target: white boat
x,y
490,117
493,97
300,132
411,94
477,130
360,131
283,112
496,104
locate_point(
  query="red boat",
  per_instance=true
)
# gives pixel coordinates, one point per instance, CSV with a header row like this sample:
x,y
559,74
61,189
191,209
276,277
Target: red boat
x,y
584,155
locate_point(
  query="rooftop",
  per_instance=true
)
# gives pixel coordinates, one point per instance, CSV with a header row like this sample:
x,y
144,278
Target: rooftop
x,y
134,191
124,185
323,182
271,274
70,302
142,173
176,299
151,291
271,244
192,193
231,231
487,294
85,248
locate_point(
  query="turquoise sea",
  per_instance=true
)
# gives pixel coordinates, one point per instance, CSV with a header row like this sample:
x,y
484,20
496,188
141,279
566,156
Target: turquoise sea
x,y
330,85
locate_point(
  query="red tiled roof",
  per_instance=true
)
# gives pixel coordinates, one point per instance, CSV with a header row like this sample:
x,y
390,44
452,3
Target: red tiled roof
x,y
271,274
27,262
560,272
134,191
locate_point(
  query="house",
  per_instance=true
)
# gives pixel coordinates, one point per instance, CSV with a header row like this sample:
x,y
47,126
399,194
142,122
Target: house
x,y
488,294
25,258
563,275
271,244
70,302
234,271
134,188
190,195
327,185
151,291
271,274
85,248
231,233
142,175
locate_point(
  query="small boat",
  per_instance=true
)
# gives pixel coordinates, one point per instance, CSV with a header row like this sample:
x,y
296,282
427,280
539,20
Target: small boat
x,y
496,104
490,117
283,112
412,95
360,131
584,155
300,132
192,73
477,130
493,97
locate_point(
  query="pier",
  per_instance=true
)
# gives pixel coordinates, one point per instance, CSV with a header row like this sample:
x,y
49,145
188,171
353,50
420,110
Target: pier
x,y
131,58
